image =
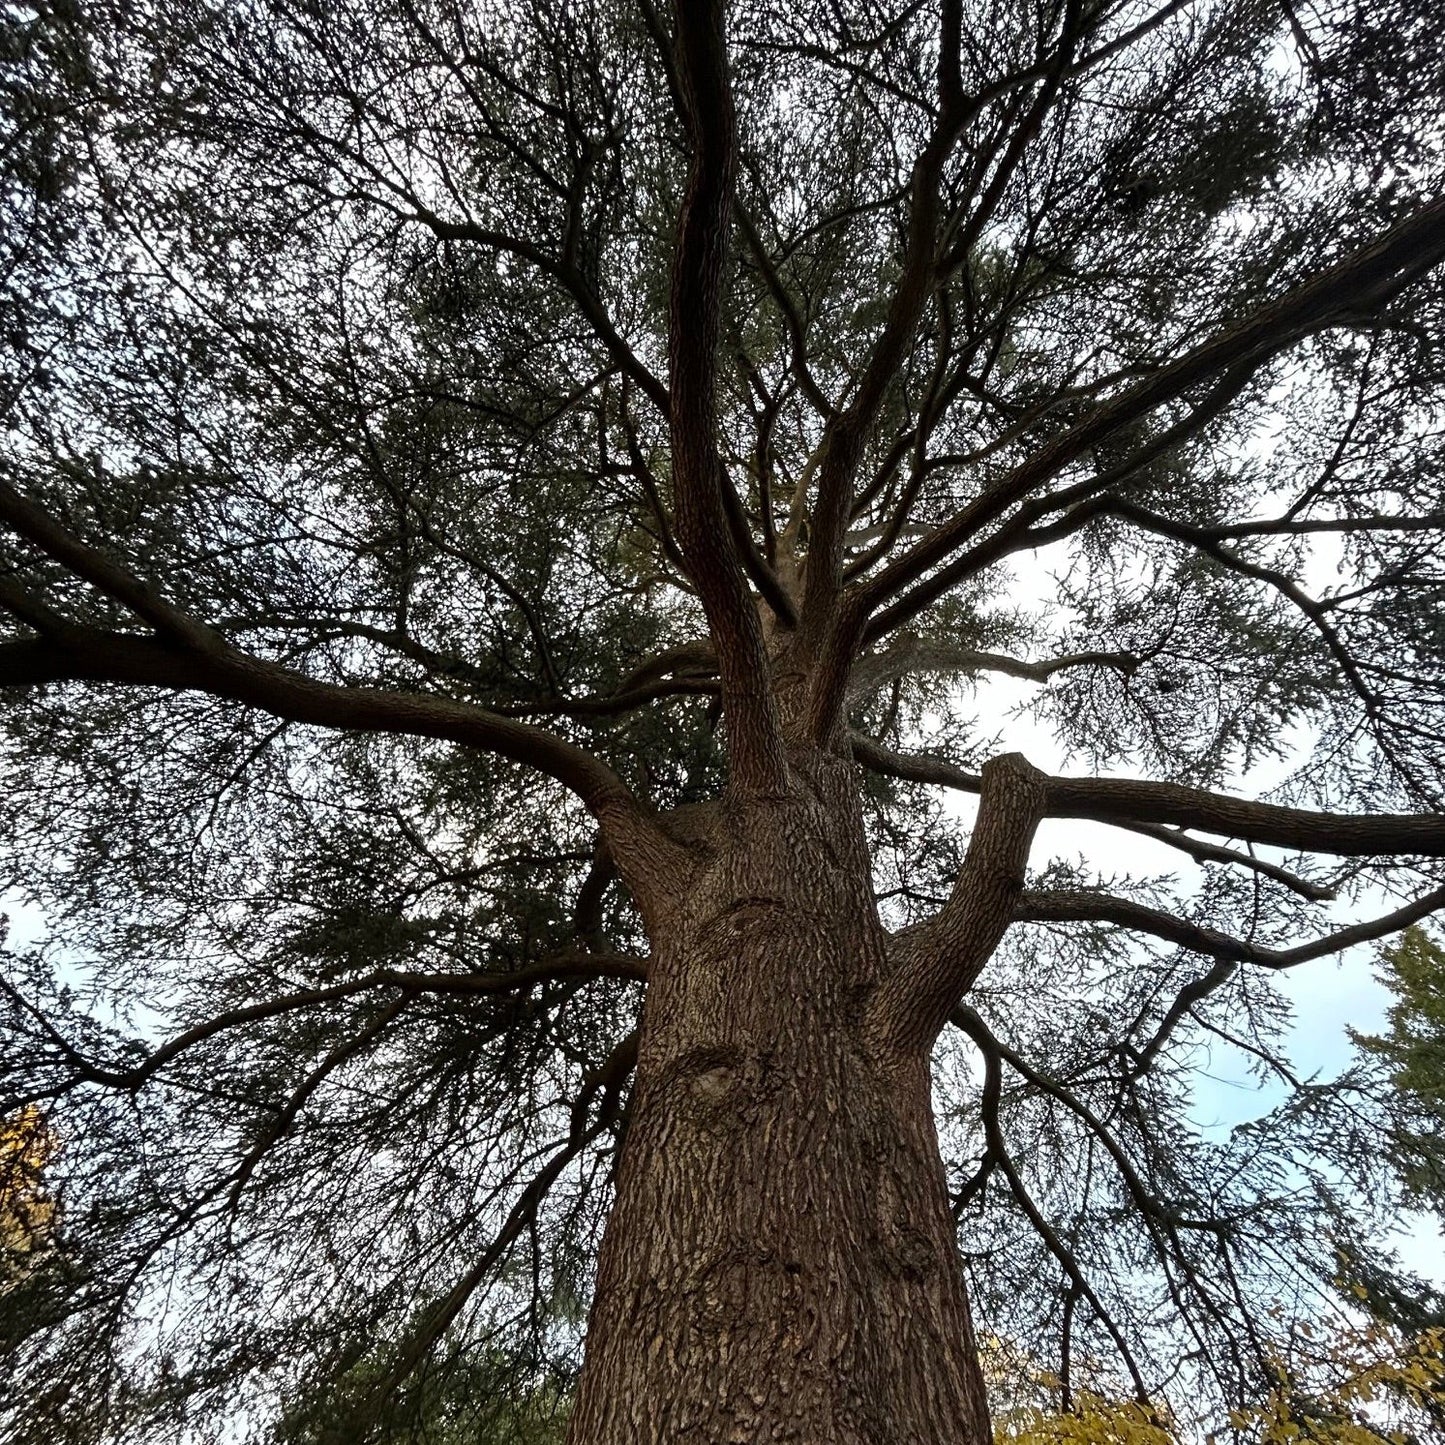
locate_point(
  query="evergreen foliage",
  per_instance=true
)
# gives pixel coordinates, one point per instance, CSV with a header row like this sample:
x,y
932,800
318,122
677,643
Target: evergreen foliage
x,y
353,568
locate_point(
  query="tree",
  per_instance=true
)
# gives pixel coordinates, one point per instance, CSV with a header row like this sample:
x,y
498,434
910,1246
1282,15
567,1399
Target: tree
x,y
504,507
30,1261
1413,1056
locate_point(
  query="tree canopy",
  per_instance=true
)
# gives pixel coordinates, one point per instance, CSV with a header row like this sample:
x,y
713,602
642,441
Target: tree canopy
x,y
448,448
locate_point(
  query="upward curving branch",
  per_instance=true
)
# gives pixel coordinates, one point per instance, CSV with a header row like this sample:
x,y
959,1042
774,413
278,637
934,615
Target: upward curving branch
x,y
941,960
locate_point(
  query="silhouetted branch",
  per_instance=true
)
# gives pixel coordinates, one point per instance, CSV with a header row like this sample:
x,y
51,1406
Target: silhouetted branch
x,y
1077,906
1127,801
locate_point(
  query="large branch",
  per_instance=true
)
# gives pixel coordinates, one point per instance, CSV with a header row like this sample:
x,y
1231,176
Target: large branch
x,y
700,487
1127,801
1227,951
95,655
922,271
101,571
942,959
187,655
1347,835
1355,287
757,566
916,655
1021,530
1079,906
576,964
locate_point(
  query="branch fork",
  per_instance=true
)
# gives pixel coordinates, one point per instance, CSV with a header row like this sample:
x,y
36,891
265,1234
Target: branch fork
x,y
944,957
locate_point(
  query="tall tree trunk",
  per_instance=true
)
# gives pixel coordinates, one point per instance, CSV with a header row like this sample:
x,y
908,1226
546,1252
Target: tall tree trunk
x,y
780,1261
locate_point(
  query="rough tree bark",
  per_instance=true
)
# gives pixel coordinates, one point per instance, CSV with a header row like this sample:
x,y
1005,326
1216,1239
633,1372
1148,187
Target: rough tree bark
x,y
780,1263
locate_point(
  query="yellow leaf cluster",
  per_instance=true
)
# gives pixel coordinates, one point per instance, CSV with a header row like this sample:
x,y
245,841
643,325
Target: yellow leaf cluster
x,y
1368,1385
1373,1375
1093,1420
27,1212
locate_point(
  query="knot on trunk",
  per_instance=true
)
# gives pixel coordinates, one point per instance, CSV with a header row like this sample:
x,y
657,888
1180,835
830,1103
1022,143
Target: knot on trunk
x,y
722,1087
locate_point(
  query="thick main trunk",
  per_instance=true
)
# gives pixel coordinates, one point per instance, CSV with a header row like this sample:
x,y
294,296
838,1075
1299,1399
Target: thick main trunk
x,y
780,1262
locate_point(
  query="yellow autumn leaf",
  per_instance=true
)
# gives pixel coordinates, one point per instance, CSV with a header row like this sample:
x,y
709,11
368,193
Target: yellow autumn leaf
x,y
27,1212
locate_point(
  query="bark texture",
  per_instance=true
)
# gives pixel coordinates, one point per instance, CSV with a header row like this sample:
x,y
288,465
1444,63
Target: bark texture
x,y
780,1262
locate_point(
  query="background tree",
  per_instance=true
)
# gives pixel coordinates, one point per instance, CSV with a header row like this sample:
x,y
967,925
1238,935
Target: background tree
x,y
505,508
1412,1055
32,1267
